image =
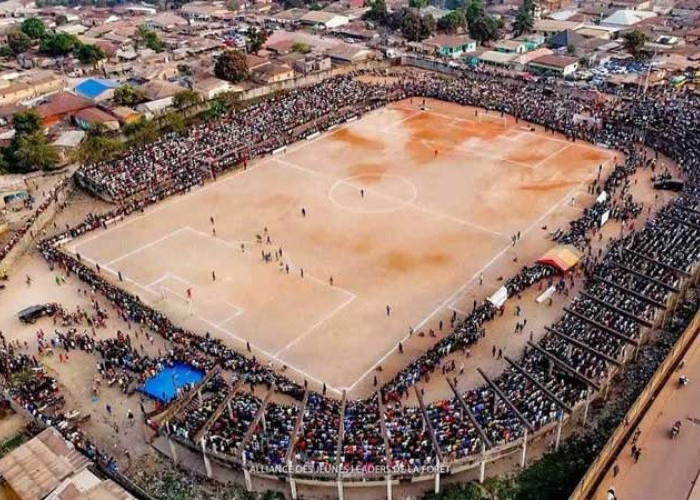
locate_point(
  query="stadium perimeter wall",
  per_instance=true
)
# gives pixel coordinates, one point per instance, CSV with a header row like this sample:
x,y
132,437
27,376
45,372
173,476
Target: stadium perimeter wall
x,y
26,241
586,488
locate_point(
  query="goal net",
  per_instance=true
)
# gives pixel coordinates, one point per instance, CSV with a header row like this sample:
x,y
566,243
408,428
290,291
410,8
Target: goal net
x,y
495,119
177,301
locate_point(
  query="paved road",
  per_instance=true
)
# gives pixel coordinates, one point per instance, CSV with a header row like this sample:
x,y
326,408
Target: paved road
x,y
667,469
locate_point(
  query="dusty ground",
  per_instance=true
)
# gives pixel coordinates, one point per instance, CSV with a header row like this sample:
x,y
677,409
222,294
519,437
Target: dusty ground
x,y
426,228
404,208
667,468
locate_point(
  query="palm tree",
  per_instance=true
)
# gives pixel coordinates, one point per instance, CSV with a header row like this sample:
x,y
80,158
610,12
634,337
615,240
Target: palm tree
x,y
525,19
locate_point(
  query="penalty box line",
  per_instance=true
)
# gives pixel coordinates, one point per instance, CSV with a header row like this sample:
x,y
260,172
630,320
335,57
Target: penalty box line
x,y
231,334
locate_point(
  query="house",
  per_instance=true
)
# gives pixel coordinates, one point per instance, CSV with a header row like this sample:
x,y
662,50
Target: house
x,y
160,89
357,30
554,64
37,83
67,142
454,46
199,11
49,467
125,115
520,63
289,17
211,87
318,19
95,117
272,72
344,53
511,47
96,89
531,41
565,39
436,12
549,27
494,58
60,105
627,18
307,63
166,21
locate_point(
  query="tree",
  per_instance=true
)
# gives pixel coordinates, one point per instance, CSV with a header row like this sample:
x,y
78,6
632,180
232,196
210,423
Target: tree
x,y
417,4
634,43
525,18
301,47
18,41
98,148
60,44
26,122
30,152
186,99
128,95
141,132
174,121
482,27
377,11
256,39
451,22
456,491
149,38
231,65
34,28
416,28
89,54
60,20
185,69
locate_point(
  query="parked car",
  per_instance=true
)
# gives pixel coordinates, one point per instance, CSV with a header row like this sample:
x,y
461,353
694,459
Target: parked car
x,y
33,313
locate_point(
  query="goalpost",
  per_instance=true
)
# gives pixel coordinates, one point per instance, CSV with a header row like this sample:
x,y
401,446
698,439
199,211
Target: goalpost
x,y
180,301
484,117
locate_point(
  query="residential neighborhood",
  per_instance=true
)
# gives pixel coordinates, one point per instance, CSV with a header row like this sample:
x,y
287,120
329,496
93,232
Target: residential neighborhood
x,y
113,69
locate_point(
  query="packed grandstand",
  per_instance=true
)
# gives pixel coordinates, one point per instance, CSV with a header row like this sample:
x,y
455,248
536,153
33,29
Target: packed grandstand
x,y
627,287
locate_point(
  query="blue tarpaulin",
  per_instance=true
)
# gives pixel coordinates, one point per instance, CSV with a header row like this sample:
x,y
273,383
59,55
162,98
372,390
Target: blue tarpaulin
x,y
93,87
164,385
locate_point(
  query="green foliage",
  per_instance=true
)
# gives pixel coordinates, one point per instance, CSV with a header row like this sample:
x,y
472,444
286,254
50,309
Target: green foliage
x,y
377,11
34,28
555,475
60,44
26,122
128,95
186,99
30,152
301,47
6,52
256,39
98,148
634,43
415,27
149,38
482,27
89,54
141,132
451,22
18,41
417,4
525,18
185,69
231,65
272,495
174,121
456,491
11,443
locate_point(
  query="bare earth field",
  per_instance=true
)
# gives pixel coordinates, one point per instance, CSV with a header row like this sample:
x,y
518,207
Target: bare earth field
x,y
404,208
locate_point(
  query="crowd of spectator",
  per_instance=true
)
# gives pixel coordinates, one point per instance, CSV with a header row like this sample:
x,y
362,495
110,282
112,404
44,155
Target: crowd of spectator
x,y
627,287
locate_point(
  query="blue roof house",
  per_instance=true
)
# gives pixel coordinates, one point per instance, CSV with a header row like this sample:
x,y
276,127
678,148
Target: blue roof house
x,y
96,89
